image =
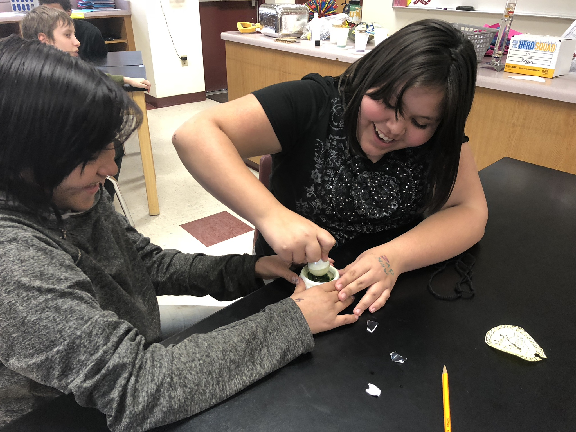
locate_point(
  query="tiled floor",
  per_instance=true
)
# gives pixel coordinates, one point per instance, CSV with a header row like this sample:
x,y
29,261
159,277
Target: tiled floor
x,y
182,200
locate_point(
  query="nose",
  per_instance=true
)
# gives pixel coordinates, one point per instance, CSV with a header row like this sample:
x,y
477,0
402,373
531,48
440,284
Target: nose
x,y
106,163
396,125
75,42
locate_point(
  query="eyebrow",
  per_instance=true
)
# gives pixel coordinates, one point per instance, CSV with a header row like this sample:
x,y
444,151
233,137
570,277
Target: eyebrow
x,y
434,119
425,117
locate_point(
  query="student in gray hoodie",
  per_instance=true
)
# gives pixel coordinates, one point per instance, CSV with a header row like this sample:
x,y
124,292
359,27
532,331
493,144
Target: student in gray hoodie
x,y
78,284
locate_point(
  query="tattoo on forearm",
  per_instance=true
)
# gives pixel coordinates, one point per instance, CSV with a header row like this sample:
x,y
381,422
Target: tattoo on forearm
x,y
297,300
385,263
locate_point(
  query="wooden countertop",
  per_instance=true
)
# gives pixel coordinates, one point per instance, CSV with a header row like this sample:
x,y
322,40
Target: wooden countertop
x,y
560,88
305,47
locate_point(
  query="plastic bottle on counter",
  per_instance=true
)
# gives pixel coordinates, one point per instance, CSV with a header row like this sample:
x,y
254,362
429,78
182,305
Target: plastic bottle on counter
x,y
315,30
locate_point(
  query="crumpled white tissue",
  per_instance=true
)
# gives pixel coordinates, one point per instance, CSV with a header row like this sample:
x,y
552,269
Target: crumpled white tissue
x,y
372,390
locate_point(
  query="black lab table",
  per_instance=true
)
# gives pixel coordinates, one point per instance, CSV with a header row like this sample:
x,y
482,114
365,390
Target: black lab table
x,y
524,275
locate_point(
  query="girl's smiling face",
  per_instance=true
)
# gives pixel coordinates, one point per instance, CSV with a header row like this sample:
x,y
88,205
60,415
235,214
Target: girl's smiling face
x,y
380,132
77,191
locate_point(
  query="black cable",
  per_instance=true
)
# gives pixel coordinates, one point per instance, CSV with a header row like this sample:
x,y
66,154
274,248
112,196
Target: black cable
x,y
169,33
464,270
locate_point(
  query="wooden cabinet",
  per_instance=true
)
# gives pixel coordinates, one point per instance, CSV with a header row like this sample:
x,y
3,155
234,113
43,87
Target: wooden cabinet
x,y
116,31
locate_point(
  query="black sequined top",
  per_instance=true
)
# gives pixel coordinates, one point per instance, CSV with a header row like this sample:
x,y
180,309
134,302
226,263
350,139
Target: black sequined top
x,y
316,175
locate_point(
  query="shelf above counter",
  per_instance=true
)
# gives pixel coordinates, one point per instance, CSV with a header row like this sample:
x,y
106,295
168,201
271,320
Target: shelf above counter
x,y
563,9
489,12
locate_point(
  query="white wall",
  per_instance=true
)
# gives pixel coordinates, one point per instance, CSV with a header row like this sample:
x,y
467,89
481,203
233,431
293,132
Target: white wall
x,y
381,11
163,66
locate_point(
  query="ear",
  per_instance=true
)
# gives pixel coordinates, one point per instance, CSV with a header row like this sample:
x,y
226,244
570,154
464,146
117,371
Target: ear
x,y
43,38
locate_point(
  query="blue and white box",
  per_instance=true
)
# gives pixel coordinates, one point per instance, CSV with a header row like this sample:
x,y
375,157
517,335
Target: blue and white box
x,y
544,56
23,5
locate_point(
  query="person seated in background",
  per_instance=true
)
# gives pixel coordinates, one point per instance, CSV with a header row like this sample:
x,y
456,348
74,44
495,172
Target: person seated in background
x,y
78,284
54,27
92,45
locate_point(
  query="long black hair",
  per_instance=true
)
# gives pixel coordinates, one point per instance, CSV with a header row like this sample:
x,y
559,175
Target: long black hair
x,y
427,53
57,112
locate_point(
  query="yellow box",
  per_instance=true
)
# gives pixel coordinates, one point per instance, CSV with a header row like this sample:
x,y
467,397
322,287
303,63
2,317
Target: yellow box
x,y
544,56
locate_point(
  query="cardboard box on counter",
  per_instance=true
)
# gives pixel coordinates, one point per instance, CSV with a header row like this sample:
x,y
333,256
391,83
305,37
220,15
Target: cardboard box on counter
x,y
544,56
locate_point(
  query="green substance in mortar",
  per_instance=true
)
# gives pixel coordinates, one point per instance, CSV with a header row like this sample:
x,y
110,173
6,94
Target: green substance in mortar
x,y
322,279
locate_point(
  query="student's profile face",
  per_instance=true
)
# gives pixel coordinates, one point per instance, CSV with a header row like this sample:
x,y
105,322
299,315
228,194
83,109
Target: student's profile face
x,y
65,39
77,191
380,132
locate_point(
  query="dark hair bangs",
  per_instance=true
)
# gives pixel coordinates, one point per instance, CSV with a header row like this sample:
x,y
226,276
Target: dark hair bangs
x,y
60,112
107,115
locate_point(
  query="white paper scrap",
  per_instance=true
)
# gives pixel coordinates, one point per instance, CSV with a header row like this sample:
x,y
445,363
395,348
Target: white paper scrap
x,y
372,390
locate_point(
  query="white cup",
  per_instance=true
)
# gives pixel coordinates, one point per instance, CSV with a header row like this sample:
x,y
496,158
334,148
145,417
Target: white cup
x,y
360,41
309,283
380,34
341,36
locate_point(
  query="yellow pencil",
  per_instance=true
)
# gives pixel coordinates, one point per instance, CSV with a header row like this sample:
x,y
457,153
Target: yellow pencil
x,y
445,393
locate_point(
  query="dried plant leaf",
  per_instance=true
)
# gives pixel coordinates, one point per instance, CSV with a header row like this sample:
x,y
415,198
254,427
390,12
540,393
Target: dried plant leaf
x,y
514,340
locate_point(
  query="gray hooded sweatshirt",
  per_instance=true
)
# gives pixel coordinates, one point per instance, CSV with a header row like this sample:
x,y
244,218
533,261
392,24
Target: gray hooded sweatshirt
x,y
78,314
